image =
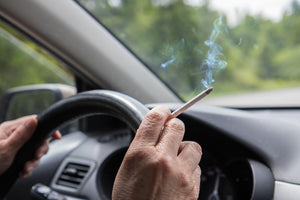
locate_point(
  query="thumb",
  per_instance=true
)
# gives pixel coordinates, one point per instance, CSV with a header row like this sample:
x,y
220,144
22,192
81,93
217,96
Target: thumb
x,y
22,134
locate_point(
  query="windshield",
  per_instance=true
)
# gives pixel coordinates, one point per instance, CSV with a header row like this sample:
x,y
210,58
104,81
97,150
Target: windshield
x,y
235,46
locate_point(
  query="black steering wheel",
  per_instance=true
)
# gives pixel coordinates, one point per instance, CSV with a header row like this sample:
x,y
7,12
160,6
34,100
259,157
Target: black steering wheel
x,y
78,106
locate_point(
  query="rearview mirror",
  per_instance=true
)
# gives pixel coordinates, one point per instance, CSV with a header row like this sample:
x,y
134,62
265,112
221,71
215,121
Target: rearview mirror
x,y
32,99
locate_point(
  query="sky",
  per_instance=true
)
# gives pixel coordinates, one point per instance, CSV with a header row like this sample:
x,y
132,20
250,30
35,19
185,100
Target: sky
x,y
234,9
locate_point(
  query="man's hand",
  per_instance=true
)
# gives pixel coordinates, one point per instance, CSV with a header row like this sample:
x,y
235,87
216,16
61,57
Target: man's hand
x,y
13,135
158,165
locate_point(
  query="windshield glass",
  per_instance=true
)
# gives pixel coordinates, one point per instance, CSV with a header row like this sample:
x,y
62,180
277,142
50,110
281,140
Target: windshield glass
x,y
235,46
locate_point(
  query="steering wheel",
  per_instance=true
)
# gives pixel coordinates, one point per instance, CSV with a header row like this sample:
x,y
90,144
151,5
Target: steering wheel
x,y
78,106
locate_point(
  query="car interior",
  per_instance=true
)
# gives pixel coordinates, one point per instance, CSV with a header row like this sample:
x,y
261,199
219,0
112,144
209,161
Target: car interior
x,y
248,152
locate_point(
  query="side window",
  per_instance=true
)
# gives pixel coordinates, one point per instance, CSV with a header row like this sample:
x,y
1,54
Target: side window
x,y
22,62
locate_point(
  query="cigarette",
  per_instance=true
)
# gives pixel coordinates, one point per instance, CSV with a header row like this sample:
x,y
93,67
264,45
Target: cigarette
x,y
191,102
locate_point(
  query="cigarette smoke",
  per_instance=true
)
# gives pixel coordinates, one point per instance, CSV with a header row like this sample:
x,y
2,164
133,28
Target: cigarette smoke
x,y
166,64
214,61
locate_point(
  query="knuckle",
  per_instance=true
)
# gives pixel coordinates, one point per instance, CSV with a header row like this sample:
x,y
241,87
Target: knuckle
x,y
19,131
176,124
135,153
163,163
185,181
195,148
198,171
154,116
6,128
143,131
3,125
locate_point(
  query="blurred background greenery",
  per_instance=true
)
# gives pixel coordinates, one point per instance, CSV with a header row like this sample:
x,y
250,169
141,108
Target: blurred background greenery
x,y
22,62
261,53
168,36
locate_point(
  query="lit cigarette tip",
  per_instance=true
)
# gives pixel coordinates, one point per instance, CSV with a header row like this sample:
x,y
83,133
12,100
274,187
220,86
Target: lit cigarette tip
x,y
191,102
208,90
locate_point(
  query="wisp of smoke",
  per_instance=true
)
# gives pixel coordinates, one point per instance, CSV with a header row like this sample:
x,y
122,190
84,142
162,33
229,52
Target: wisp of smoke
x,y
166,64
214,60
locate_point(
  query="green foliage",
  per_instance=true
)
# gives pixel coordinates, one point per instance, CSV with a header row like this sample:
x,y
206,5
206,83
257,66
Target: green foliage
x,y
169,36
286,64
23,63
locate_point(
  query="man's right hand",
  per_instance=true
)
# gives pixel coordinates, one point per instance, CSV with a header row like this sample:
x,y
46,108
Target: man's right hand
x,y
158,164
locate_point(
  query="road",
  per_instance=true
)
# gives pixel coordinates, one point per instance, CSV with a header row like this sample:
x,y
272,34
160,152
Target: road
x,y
275,98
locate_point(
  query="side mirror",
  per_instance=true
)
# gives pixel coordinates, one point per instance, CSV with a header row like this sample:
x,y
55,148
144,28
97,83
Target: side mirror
x,y
32,99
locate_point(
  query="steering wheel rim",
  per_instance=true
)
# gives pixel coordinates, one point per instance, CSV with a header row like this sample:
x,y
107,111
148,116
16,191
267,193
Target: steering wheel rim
x,y
75,107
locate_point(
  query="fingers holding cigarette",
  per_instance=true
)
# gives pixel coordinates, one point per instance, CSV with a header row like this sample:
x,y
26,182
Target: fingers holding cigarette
x,y
191,102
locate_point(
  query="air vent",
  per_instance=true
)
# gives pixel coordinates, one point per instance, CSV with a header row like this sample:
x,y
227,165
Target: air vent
x,y
72,175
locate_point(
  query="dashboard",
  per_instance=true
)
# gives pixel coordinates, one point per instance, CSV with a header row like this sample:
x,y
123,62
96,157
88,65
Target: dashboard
x,y
247,154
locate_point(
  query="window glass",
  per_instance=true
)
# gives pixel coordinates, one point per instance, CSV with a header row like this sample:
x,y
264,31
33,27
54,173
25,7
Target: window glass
x,y
22,62
235,46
